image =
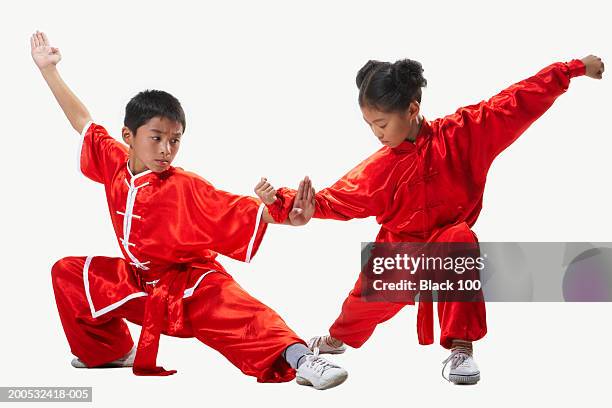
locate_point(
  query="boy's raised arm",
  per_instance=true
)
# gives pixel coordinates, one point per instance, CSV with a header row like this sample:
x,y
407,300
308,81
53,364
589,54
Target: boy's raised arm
x,y
46,58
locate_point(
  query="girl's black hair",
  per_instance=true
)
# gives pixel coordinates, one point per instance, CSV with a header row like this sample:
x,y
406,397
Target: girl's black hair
x,y
152,103
390,87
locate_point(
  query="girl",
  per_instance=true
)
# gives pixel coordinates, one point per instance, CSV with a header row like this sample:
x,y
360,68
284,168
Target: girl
x,y
426,185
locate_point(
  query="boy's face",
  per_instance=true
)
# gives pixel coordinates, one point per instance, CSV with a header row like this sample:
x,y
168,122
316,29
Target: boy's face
x,y
154,145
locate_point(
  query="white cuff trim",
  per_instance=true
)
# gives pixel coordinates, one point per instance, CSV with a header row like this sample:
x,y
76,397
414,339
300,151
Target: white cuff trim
x,y
252,241
80,151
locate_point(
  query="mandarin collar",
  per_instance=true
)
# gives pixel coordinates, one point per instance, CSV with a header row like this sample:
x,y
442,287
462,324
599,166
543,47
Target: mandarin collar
x,y
148,174
407,146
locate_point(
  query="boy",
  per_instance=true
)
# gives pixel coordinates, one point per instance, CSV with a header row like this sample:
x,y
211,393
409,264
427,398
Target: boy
x,y
170,225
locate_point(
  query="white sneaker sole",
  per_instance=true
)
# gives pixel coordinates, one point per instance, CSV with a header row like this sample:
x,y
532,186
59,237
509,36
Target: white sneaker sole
x,y
337,381
464,379
76,363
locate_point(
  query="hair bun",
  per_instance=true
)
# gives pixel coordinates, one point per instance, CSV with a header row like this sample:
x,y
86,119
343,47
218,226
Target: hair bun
x,y
408,74
366,70
390,87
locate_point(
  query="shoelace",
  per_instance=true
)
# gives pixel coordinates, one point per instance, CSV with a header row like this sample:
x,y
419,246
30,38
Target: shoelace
x,y
457,357
319,364
323,339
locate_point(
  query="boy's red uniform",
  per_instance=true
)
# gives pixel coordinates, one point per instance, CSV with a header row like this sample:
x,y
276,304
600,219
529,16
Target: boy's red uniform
x,y
431,191
170,227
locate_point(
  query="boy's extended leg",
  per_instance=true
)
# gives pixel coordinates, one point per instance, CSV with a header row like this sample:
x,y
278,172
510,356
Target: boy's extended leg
x,y
251,335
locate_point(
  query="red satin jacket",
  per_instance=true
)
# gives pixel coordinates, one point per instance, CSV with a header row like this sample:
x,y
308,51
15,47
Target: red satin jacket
x,y
420,188
170,227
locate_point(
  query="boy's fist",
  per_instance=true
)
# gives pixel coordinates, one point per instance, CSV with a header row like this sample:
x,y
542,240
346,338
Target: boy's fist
x,y
43,54
265,191
594,66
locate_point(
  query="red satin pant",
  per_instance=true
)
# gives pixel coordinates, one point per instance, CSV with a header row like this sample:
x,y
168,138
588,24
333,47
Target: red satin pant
x,y
358,319
458,320
220,314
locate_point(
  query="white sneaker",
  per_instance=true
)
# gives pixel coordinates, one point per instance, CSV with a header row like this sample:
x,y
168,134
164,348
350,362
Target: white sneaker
x,y
325,345
320,373
125,361
464,369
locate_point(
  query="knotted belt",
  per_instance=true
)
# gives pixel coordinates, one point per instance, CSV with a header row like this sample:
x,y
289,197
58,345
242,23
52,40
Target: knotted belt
x,y
164,303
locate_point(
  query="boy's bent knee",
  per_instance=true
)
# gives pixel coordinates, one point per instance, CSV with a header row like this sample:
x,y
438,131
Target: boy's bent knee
x,y
64,267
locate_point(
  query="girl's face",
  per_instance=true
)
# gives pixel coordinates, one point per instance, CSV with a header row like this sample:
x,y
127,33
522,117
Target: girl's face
x,y
154,145
391,128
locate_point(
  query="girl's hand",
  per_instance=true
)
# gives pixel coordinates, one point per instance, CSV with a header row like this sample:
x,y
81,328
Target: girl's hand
x,y
265,191
594,66
43,54
304,204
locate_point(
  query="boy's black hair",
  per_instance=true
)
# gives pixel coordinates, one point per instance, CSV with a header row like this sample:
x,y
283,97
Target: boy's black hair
x,y
149,104
390,87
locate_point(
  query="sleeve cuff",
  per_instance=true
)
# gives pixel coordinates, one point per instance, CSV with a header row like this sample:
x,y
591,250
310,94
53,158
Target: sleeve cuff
x,y
86,128
80,151
279,210
576,68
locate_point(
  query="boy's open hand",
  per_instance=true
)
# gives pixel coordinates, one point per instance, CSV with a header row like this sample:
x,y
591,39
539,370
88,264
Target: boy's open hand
x,y
304,204
594,66
265,191
43,54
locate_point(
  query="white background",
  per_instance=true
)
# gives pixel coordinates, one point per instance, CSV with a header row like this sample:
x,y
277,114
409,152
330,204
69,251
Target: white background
x,y
269,89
